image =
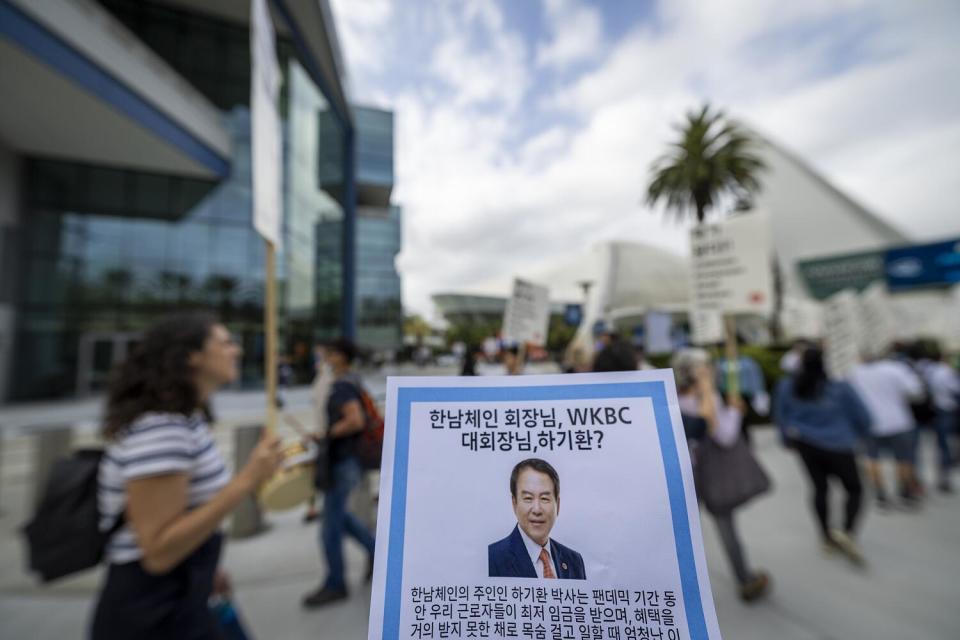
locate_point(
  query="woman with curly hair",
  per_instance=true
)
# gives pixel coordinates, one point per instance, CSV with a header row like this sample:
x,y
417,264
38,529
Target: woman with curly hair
x,y
163,475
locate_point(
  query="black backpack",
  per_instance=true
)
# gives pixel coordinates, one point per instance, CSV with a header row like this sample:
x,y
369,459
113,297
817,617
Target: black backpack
x,y
64,535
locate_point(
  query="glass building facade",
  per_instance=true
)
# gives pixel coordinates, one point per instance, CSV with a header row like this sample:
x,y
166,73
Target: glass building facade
x,y
379,237
380,311
104,250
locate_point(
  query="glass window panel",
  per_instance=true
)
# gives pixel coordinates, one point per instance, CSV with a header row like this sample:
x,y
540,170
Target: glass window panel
x,y
151,194
106,190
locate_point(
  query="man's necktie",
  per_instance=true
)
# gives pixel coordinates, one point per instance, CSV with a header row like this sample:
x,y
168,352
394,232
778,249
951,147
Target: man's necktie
x,y
547,565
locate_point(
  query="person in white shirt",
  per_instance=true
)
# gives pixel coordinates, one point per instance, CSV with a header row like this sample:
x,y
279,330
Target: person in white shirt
x,y
887,387
943,382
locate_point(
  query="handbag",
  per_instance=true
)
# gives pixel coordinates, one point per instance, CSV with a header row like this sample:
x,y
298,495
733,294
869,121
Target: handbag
x,y
728,477
228,619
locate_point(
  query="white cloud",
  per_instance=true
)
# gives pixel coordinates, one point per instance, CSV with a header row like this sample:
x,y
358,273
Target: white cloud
x,y
495,178
575,33
361,25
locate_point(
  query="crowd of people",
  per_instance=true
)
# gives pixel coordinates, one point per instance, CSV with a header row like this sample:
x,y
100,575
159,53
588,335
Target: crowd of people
x,y
164,490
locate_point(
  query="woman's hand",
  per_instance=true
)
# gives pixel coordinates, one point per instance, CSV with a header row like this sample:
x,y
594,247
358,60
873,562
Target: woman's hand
x,y
264,461
735,401
222,584
703,376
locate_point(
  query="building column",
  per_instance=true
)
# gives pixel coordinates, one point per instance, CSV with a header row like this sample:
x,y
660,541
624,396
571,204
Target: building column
x,y
9,267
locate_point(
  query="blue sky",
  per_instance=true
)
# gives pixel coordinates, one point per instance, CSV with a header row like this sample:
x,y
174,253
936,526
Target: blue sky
x,y
525,128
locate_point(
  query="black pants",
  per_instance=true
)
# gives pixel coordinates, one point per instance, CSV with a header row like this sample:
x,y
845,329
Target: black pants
x,y
821,464
136,605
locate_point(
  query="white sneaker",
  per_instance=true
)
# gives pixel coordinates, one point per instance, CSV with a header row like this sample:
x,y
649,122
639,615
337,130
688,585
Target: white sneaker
x,y
849,548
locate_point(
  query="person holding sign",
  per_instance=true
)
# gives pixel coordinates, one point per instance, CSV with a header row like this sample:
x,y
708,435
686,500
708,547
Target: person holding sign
x,y
705,416
528,552
163,487
513,357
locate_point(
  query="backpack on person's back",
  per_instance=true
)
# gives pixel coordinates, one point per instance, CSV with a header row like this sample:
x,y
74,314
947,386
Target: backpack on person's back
x,y
370,444
64,536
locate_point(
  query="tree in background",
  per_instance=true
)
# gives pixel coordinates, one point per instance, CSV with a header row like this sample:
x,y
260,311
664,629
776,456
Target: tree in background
x,y
416,327
712,159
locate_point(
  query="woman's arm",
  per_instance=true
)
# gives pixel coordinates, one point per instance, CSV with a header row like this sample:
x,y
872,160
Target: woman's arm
x,y
352,422
157,508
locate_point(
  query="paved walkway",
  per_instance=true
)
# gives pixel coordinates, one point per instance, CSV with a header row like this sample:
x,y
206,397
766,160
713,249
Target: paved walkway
x,y
909,590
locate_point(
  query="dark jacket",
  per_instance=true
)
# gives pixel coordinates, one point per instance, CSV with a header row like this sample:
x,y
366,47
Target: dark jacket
x,y
508,558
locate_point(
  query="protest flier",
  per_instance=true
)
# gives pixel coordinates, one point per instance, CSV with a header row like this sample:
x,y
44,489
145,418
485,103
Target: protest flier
x,y
538,507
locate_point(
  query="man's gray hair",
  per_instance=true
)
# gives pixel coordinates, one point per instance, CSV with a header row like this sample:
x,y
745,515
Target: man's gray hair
x,y
684,363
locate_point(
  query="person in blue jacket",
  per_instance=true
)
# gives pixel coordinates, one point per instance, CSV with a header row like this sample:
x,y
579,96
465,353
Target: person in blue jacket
x,y
529,552
823,420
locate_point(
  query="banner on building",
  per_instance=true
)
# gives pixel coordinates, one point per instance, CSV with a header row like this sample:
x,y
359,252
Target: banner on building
x,y
731,265
549,535
527,316
265,132
843,333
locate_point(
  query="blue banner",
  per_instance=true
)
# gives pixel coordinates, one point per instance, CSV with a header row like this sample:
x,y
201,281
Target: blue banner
x,y
928,265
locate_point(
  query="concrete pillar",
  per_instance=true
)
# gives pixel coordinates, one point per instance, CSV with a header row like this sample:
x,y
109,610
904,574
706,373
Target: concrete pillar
x,y
1,471
247,517
10,203
51,445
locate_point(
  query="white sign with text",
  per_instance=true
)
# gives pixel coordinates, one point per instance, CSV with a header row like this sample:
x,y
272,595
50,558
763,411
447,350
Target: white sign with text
x,y
509,508
265,132
527,316
731,263
843,333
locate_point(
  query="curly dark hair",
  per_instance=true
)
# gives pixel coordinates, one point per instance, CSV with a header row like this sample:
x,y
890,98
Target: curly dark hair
x,y
156,374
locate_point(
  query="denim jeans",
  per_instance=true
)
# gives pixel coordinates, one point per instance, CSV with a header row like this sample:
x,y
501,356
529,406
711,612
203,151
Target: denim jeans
x,y
944,424
346,475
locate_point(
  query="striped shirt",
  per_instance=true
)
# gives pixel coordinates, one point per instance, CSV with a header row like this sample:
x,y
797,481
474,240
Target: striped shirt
x,y
156,444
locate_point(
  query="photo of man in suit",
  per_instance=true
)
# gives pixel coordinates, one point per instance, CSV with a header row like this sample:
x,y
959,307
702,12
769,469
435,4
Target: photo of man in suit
x,y
528,552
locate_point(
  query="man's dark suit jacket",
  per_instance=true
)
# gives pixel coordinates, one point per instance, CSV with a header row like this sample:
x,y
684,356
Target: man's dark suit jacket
x,y
508,558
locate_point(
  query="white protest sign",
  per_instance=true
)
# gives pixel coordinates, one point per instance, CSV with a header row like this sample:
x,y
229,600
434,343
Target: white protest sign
x,y
801,319
876,317
706,327
843,333
731,269
657,337
527,317
265,133
451,549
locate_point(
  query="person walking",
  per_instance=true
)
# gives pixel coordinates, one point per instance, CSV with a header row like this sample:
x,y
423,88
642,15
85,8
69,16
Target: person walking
x,y
752,387
887,388
823,421
943,382
164,479
319,394
469,365
346,420
705,415
513,359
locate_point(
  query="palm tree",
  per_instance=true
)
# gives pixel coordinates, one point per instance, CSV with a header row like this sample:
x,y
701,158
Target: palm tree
x,y
713,158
